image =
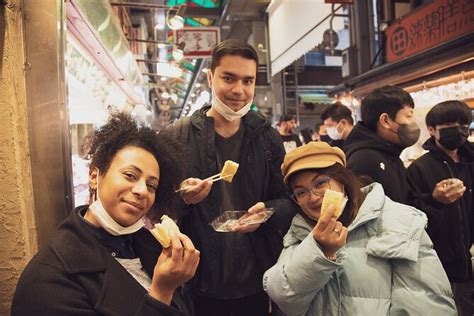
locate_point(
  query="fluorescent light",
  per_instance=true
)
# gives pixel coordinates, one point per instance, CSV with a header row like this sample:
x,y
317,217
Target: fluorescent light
x,y
168,70
176,22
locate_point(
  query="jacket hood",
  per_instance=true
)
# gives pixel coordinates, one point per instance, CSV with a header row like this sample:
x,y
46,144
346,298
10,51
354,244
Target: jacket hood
x,y
370,209
252,120
466,150
363,138
394,230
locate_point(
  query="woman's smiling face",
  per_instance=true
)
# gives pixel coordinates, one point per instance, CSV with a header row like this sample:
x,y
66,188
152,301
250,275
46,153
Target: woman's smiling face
x,y
308,191
127,190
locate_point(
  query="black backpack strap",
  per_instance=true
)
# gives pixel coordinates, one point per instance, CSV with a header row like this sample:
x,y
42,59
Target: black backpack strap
x,y
265,143
180,130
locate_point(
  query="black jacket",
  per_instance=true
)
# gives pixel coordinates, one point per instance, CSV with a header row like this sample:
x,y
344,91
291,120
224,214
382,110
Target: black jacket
x,y
259,178
75,275
449,225
370,155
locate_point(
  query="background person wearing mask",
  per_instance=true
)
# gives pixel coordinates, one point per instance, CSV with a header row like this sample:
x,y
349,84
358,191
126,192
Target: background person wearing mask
x,y
375,259
373,147
286,126
229,278
306,135
448,203
101,261
323,136
339,123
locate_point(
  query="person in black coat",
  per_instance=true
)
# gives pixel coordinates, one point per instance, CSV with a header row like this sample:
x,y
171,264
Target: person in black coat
x,y
229,278
373,147
443,182
101,260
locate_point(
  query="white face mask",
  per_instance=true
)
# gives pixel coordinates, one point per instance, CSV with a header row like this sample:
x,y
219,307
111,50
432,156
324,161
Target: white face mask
x,y
107,222
226,112
333,132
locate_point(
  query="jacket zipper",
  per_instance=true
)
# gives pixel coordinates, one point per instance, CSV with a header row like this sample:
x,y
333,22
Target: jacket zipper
x,y
464,257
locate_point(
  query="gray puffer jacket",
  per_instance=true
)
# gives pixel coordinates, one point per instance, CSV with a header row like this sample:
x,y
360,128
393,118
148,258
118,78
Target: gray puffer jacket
x,y
388,267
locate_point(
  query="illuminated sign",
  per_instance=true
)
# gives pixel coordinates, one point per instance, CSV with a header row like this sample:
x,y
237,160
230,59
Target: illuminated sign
x,y
430,25
198,41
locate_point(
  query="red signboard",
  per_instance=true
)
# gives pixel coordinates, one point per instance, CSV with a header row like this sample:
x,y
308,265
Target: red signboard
x,y
433,24
340,1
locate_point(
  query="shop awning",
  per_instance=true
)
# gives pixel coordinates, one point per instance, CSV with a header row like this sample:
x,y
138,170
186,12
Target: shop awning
x,y
295,27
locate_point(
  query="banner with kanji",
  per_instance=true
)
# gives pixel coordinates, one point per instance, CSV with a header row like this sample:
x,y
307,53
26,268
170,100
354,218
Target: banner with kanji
x,y
198,42
428,26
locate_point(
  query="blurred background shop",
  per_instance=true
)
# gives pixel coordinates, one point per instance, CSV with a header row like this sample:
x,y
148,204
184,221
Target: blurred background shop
x,y
67,64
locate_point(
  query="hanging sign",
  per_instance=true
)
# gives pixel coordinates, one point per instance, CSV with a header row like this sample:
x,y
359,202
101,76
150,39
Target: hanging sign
x,y
198,41
428,26
340,1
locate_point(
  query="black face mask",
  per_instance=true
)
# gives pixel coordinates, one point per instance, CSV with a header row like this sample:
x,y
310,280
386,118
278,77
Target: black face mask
x,y
452,138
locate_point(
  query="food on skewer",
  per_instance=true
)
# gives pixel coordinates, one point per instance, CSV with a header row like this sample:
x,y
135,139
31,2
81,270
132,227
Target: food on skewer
x,y
229,170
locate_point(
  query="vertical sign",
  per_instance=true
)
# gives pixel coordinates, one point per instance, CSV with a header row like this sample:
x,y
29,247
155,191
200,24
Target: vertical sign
x,y
198,41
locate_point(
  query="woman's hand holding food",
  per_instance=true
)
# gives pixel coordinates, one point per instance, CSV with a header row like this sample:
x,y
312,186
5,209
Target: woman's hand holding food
x,y
194,190
329,232
176,265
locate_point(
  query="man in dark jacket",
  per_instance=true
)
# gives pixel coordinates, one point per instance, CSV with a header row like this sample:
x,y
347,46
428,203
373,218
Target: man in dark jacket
x,y
286,126
229,276
443,182
339,123
374,145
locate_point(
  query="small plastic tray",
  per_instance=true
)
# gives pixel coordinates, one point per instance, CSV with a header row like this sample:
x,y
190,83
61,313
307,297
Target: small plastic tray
x,y
229,220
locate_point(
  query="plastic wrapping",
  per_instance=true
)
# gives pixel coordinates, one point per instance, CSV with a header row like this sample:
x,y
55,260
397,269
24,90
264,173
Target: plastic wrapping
x,y
229,220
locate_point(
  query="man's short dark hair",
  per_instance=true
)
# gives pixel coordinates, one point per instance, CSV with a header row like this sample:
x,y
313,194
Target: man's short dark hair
x,y
286,118
337,112
387,99
232,47
449,112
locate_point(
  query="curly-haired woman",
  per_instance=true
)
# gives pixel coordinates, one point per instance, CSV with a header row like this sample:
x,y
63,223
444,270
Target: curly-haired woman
x,y
101,261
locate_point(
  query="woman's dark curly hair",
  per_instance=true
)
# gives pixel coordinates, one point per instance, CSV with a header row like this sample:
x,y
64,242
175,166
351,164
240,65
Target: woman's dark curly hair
x,y
121,131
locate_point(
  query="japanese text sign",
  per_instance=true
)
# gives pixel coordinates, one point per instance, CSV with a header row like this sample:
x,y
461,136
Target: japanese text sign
x,y
430,25
198,41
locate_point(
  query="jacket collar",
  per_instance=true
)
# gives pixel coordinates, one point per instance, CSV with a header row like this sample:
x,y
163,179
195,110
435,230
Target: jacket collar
x,y
371,207
362,137
79,251
369,210
76,248
252,120
394,230
466,151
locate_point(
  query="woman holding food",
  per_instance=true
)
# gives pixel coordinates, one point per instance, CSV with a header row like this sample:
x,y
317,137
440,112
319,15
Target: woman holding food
x,y
101,261
358,254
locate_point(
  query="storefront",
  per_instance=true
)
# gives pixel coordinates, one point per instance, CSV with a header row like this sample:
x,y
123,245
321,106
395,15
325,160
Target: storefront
x,y
430,53
102,77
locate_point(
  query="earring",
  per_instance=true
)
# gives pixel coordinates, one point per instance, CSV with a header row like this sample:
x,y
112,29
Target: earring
x,y
93,194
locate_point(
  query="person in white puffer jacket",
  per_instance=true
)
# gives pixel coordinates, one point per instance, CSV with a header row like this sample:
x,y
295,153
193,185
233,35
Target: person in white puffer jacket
x,y
374,259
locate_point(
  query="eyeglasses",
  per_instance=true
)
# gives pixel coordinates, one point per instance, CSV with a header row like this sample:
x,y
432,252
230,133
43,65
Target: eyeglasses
x,y
302,196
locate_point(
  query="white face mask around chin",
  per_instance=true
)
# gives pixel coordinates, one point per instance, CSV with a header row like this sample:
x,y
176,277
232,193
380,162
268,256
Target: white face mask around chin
x,y
107,222
226,112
